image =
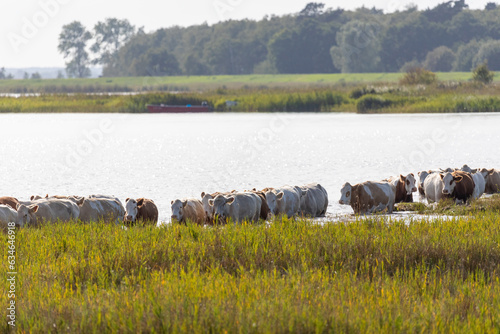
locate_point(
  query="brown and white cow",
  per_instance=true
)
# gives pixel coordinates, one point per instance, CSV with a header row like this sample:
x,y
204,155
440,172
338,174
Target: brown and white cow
x,y
404,187
10,201
190,209
458,184
368,197
142,209
492,178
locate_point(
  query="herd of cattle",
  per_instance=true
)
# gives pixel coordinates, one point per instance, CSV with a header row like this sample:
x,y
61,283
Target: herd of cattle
x,y
310,200
461,184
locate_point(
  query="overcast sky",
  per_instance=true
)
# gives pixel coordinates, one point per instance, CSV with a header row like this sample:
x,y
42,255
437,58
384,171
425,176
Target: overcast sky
x,y
30,28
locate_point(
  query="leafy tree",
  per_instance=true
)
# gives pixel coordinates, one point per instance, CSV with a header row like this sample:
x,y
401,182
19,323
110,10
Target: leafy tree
x,y
156,62
110,36
482,74
465,54
491,6
193,66
36,75
490,53
26,76
445,11
60,75
465,26
72,43
440,59
4,75
357,48
312,9
303,49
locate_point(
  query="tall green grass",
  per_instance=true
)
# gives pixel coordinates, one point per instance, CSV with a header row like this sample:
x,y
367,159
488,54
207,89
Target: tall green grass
x,y
373,275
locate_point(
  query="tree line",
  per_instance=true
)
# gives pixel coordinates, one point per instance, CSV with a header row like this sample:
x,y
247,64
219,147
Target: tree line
x,y
448,37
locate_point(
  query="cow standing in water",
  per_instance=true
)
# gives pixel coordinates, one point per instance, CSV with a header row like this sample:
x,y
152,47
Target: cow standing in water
x,y
492,177
368,197
315,201
237,207
459,185
142,209
404,187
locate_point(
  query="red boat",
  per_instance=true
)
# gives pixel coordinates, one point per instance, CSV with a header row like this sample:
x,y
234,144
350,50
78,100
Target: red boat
x,y
165,108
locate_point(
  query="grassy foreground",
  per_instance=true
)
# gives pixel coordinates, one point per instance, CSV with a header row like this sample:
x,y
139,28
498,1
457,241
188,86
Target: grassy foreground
x,y
291,276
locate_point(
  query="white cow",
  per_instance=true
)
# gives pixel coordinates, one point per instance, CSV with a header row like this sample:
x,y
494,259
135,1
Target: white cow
x,y
315,201
47,210
479,185
368,197
190,209
237,207
284,200
433,187
96,209
7,215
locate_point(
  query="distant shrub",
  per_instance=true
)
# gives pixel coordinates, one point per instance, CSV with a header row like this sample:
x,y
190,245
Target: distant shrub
x,y
440,59
361,91
418,76
370,102
482,74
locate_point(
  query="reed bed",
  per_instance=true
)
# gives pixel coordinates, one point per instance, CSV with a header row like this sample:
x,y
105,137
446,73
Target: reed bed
x,y
444,97
375,275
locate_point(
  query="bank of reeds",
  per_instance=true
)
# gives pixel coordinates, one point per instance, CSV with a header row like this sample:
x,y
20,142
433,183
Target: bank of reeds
x,y
373,275
380,98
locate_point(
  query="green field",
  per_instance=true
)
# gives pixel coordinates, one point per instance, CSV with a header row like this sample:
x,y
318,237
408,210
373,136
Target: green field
x,y
195,83
372,275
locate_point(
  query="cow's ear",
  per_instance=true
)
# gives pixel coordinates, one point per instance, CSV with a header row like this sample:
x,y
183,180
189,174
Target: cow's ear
x,y
401,178
230,200
491,171
458,179
17,206
254,189
34,209
140,202
127,199
441,175
280,195
46,195
80,201
31,198
412,174
171,202
304,192
211,202
184,203
202,194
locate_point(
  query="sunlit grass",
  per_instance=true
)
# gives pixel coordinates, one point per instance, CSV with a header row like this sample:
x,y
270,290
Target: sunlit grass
x,y
374,275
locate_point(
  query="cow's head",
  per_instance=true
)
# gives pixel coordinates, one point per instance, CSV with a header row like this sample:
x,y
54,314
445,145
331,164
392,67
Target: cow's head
x,y
409,182
220,205
26,214
486,172
37,197
467,169
450,180
178,210
273,199
209,211
345,194
131,210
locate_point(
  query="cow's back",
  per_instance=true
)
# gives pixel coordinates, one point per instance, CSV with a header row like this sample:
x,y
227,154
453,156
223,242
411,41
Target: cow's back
x,y
148,211
96,209
10,201
290,204
315,202
194,211
369,197
7,215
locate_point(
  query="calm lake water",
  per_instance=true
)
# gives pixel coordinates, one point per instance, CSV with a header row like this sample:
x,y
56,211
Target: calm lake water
x,y
164,157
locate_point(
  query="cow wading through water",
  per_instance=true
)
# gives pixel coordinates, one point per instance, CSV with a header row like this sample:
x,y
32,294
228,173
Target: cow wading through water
x,y
141,210
368,197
